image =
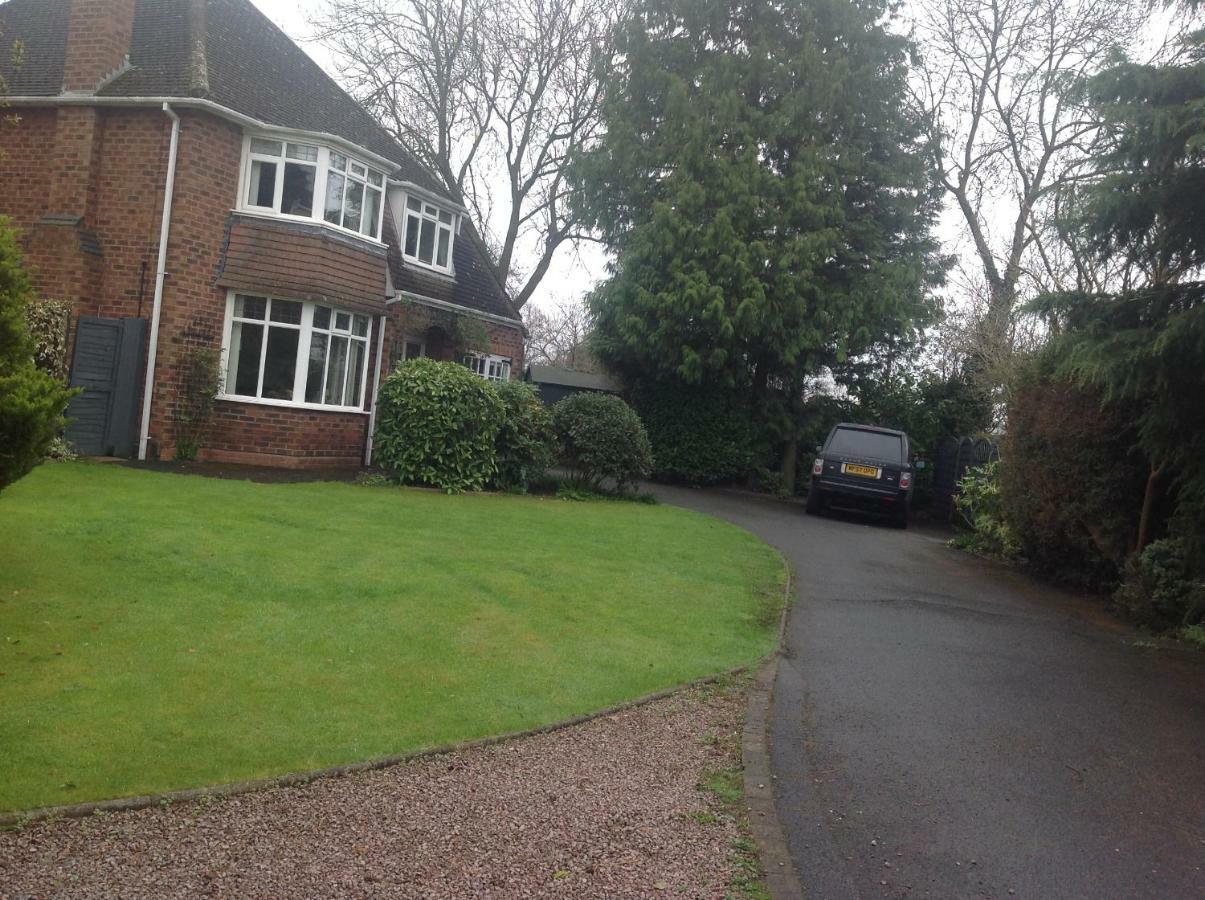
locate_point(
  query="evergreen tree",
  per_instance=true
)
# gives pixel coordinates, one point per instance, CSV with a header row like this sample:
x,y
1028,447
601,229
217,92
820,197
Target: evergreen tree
x,y
31,402
762,184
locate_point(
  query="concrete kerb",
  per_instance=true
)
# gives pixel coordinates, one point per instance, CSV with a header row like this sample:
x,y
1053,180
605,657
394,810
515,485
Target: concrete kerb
x,y
782,880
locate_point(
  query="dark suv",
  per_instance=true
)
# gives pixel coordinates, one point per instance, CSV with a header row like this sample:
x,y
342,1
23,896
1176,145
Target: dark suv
x,y
866,468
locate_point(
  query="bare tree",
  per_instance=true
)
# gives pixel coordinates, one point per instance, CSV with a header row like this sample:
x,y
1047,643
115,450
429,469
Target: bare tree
x,y
560,337
1003,83
496,96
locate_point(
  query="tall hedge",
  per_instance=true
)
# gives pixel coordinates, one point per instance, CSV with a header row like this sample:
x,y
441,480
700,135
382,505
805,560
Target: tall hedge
x,y
437,424
697,435
1072,478
31,401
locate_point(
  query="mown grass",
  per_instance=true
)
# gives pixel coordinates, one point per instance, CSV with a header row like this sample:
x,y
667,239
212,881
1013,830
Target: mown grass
x,y
165,631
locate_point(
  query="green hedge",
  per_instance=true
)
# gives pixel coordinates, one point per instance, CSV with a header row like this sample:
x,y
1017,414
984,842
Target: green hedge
x,y
697,435
437,424
601,438
525,445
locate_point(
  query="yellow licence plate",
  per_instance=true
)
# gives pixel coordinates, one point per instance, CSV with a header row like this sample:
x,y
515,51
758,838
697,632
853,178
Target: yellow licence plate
x,y
865,471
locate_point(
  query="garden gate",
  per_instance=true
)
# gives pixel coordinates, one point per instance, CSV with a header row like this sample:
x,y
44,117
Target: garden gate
x,y
106,362
954,457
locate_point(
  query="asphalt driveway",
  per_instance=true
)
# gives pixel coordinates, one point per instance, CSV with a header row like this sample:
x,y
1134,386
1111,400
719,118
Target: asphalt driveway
x,y
946,727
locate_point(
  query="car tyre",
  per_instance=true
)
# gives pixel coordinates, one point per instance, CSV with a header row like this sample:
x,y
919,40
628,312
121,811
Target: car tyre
x,y
813,505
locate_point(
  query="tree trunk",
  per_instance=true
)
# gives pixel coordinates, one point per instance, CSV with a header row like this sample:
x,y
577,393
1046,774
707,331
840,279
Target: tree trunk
x,y
789,454
1148,508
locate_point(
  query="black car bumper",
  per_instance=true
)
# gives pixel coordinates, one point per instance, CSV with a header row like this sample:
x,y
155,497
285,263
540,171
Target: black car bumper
x,y
859,495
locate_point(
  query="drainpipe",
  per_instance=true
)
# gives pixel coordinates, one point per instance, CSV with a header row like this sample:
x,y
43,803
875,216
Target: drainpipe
x,y
160,273
376,384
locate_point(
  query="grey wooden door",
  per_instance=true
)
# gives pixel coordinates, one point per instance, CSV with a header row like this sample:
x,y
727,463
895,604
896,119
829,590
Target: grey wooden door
x,y
108,356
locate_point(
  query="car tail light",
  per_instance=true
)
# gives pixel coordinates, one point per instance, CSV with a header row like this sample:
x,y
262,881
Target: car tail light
x,y
818,467
905,480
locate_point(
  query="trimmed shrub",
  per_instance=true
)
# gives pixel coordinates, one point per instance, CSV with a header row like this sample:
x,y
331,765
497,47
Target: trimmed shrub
x,y
981,506
526,444
437,424
1159,589
31,401
697,435
1072,480
601,437
48,323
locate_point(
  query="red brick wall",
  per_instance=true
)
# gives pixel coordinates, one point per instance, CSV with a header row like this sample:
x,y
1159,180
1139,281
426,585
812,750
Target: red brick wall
x,y
98,41
278,436
25,170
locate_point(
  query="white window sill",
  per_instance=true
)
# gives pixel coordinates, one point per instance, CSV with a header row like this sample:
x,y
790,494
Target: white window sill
x,y
428,268
303,220
293,404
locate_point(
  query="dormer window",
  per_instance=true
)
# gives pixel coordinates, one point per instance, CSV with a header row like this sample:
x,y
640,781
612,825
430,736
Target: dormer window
x,y
429,234
309,181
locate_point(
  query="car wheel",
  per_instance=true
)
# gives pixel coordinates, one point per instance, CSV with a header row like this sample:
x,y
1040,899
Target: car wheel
x,y
813,504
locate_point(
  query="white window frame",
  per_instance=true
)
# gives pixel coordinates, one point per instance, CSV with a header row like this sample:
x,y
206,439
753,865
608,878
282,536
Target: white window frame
x,y
452,227
410,339
302,366
322,164
489,366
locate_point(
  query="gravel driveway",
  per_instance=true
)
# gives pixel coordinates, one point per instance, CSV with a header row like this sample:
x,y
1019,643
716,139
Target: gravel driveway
x,y
609,808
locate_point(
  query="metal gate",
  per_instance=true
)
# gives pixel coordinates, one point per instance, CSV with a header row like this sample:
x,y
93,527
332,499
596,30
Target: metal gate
x,y
106,363
952,460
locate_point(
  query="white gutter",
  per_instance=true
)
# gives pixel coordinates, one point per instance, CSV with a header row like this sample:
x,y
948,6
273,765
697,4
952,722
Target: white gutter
x,y
376,384
148,386
457,308
217,109
418,190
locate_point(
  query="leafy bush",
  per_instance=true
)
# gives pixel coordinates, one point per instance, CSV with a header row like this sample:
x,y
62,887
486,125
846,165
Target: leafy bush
x,y
1159,589
981,506
526,444
200,384
31,401
437,424
697,435
48,323
601,437
1073,480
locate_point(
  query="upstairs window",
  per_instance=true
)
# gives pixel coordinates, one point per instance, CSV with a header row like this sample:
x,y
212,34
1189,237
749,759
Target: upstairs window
x,y
309,181
428,234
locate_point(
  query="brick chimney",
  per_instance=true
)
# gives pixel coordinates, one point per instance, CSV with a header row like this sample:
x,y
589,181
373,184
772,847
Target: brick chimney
x,y
98,43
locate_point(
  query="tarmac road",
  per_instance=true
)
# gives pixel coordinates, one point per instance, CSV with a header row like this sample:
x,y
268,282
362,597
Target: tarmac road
x,y
947,727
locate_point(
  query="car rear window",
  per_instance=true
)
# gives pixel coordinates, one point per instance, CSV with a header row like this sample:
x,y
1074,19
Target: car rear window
x,y
871,444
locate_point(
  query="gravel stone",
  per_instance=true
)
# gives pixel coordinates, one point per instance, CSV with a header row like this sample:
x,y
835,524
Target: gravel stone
x,y
608,808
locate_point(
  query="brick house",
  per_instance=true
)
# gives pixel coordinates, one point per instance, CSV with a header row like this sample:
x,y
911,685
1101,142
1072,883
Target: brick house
x,y
186,177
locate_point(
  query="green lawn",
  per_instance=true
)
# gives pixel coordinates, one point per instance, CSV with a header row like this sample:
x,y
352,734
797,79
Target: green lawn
x,y
165,631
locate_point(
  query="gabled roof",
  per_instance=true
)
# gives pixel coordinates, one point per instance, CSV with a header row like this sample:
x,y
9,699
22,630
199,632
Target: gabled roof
x,y
229,53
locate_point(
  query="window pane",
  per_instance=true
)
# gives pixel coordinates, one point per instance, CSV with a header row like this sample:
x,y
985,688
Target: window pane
x,y
342,321
322,317
414,204
412,350
372,212
353,204
268,148
375,178
249,307
307,152
413,224
338,161
445,217
360,325
262,188
441,258
426,241
280,364
313,380
242,373
336,371
297,198
355,372
357,169
334,197
287,311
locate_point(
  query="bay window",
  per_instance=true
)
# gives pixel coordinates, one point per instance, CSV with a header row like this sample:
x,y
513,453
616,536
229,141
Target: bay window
x,y
268,337
492,368
429,234
309,181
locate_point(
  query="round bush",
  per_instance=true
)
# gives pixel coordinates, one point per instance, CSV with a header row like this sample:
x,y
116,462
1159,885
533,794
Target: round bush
x,y
436,425
601,437
526,444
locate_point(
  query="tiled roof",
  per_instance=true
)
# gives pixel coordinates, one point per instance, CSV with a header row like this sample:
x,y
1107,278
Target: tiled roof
x,y
244,62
